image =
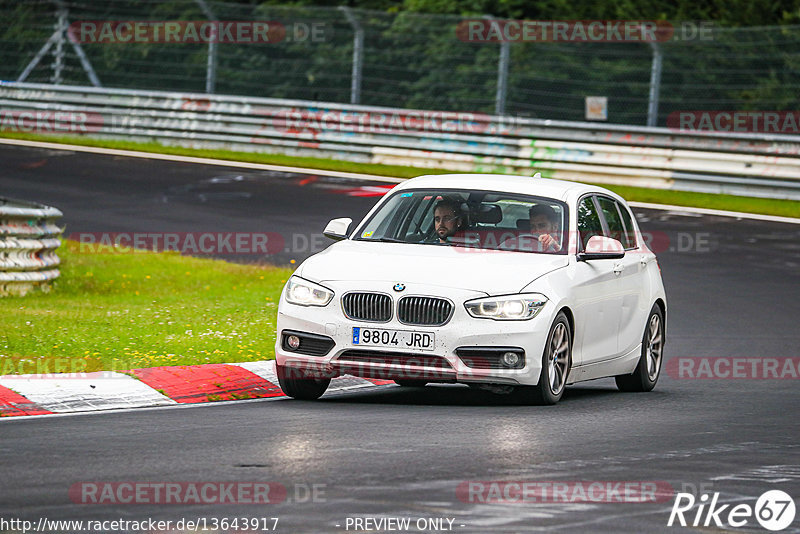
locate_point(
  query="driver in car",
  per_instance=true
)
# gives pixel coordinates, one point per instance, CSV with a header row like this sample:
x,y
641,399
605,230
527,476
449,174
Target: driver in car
x,y
447,219
545,224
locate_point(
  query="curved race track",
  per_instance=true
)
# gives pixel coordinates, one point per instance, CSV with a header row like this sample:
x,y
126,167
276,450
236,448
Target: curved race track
x,y
392,452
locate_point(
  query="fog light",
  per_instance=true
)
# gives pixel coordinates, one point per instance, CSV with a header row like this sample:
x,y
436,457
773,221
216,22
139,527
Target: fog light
x,y
510,359
293,342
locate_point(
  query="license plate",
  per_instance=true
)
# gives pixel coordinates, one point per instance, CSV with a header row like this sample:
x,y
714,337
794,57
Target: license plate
x,y
396,339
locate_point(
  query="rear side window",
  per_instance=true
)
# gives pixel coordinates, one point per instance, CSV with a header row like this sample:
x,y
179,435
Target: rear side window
x,y
618,227
588,221
630,242
615,228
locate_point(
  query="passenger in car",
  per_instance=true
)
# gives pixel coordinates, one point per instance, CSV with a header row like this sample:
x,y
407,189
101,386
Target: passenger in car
x,y
545,223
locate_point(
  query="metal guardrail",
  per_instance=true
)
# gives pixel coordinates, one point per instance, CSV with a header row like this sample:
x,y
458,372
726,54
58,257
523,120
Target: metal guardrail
x,y
734,163
28,241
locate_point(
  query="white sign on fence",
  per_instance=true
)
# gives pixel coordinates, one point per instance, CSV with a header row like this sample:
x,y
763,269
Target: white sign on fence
x,y
596,108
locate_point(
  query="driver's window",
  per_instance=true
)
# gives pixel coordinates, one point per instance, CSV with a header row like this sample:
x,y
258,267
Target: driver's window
x,y
588,221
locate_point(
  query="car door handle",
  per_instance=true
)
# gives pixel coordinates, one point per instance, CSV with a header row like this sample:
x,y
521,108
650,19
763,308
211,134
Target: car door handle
x,y
618,268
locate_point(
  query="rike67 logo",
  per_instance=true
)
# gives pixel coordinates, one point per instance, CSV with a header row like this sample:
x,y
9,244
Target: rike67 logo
x,y
774,510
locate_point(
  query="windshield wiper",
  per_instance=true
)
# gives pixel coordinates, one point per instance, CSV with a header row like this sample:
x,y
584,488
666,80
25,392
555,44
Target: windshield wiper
x,y
384,239
446,244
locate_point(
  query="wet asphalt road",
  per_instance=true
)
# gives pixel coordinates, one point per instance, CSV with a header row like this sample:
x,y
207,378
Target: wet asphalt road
x,y
395,452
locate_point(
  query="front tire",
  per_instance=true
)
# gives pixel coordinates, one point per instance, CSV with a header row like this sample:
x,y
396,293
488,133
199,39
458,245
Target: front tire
x,y
648,369
556,364
300,385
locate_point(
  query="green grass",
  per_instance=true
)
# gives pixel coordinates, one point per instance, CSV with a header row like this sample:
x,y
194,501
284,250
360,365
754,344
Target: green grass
x,y
112,311
786,208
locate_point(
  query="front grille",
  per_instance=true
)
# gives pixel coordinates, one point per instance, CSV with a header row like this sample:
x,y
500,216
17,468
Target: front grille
x,y
310,344
394,358
488,357
374,307
424,311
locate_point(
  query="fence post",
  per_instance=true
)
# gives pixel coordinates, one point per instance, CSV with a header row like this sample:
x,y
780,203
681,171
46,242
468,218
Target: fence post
x,y
358,55
502,79
211,63
655,85
502,70
58,53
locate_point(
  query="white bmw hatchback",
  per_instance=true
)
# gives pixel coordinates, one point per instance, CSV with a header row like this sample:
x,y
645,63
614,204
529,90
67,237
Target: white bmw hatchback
x,y
516,284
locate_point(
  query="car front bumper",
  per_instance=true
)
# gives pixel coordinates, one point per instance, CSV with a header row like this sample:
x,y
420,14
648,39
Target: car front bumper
x,y
441,364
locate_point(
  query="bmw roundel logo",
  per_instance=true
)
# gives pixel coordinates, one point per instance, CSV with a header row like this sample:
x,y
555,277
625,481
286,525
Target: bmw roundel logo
x,y
399,287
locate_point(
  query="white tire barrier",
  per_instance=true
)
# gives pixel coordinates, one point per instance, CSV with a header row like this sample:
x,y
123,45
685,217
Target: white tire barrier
x,y
29,237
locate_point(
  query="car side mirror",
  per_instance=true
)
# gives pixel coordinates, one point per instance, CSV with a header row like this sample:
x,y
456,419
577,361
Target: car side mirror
x,y
337,229
602,248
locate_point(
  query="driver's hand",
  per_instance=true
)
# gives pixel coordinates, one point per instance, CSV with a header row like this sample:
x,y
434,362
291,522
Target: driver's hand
x,y
548,241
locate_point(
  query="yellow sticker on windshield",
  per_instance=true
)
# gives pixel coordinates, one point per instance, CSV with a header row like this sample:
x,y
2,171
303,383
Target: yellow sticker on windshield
x,y
366,234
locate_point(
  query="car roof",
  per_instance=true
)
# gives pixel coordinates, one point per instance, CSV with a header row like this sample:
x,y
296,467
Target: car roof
x,y
510,183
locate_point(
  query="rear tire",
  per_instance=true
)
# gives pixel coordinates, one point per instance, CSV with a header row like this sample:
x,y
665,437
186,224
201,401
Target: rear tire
x,y
556,364
410,383
645,376
299,384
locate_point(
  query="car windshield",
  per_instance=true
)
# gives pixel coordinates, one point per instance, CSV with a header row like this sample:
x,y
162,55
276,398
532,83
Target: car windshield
x,y
475,219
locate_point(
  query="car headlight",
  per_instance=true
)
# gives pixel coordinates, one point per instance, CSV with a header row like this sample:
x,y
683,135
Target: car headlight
x,y
507,308
305,293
